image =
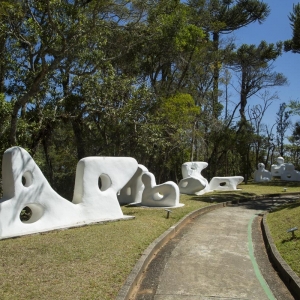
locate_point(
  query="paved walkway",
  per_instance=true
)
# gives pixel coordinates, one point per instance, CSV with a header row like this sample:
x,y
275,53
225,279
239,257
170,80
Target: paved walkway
x,y
213,258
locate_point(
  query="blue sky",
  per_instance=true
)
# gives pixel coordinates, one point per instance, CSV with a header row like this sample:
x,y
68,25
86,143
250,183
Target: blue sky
x,y
275,28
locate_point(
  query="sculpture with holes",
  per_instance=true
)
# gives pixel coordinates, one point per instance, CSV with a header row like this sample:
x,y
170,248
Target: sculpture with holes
x,y
229,183
192,181
26,189
278,168
162,195
289,173
133,190
261,174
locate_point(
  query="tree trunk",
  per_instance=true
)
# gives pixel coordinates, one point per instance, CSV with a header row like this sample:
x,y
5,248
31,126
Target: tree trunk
x,y
2,63
76,124
216,75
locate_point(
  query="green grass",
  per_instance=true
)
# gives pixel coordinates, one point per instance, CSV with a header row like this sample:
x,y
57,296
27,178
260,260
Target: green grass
x,y
90,262
279,221
282,219
93,262
272,187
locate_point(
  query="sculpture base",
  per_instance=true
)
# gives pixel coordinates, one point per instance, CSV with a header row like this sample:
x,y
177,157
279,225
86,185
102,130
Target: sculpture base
x,y
124,218
145,206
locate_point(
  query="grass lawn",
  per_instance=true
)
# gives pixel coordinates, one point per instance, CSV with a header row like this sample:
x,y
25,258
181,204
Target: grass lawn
x,y
282,219
279,221
92,262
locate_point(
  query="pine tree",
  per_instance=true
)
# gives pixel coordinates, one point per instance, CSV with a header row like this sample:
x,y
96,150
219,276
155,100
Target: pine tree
x,y
294,43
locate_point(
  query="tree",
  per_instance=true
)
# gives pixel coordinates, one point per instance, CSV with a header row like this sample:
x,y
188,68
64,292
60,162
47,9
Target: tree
x,y
295,138
54,42
169,48
253,63
294,43
171,131
217,18
125,78
261,143
5,111
283,124
293,149
221,17
256,72
5,8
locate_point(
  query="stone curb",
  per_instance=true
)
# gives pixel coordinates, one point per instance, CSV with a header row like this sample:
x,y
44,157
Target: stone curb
x,y
137,272
288,276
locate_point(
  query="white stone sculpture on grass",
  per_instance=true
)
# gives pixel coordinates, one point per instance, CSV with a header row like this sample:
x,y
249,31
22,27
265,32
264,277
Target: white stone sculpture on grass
x,y
261,174
133,190
278,168
192,181
162,195
229,183
24,186
111,173
289,173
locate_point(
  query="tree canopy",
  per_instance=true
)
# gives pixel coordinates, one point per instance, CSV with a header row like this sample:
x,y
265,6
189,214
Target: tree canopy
x,y
294,43
133,78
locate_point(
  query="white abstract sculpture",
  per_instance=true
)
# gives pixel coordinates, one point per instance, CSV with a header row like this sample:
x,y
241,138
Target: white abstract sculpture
x,y
225,183
192,181
290,174
132,191
261,174
113,172
162,195
24,185
222,184
278,169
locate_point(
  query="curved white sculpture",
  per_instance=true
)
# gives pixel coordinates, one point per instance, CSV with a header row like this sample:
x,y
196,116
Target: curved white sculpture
x,y
222,184
261,174
225,183
133,190
162,195
192,181
278,169
290,174
24,185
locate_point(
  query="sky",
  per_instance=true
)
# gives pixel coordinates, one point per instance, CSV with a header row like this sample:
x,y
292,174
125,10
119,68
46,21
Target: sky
x,y
275,28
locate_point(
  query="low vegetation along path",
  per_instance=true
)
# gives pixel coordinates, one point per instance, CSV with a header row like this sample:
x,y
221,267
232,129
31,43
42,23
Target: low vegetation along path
x,y
219,255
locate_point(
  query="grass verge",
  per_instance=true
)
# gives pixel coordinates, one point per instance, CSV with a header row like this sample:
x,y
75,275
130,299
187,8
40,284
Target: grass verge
x,y
93,262
279,221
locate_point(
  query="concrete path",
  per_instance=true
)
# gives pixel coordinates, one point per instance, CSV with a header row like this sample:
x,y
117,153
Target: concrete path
x,y
213,258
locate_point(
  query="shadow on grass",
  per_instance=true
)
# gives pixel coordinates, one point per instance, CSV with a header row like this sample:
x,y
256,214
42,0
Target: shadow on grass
x,y
276,182
222,197
296,238
290,205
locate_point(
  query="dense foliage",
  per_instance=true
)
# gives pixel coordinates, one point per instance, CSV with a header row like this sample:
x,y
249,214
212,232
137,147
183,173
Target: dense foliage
x,y
294,43
133,78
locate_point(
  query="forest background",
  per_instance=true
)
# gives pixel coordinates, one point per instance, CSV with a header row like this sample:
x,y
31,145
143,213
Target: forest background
x,y
146,79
